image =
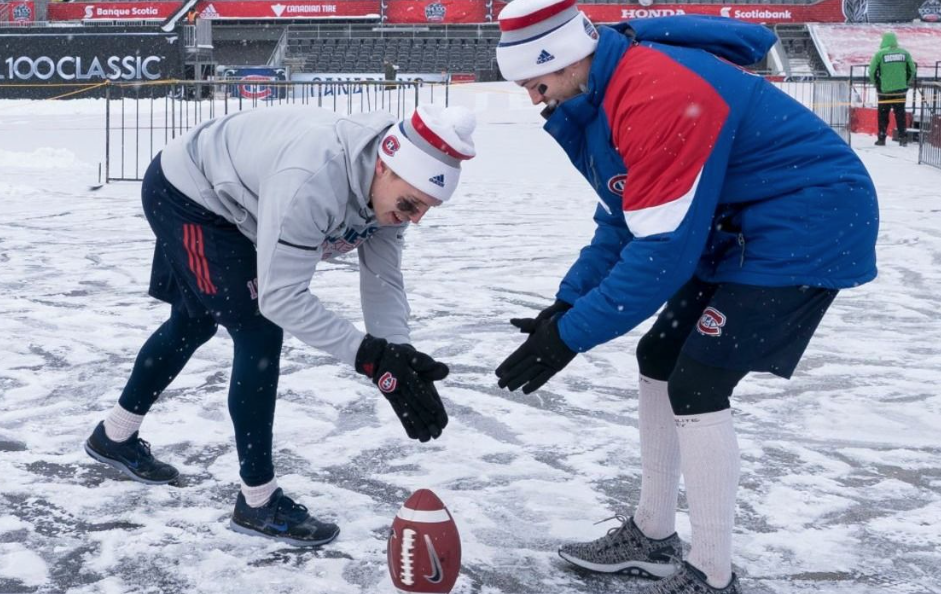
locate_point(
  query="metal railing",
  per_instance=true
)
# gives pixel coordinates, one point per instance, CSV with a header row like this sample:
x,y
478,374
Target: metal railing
x,y
831,103
929,145
280,50
829,98
198,35
141,119
116,24
920,102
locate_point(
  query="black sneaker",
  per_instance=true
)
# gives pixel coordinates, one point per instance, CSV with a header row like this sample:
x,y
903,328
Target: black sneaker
x,y
880,142
283,520
625,549
689,580
132,457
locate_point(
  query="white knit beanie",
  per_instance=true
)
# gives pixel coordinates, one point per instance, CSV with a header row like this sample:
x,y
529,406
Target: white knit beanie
x,y
542,36
426,150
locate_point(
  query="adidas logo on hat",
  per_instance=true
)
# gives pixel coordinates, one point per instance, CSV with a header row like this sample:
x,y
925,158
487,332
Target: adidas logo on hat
x,y
437,180
542,36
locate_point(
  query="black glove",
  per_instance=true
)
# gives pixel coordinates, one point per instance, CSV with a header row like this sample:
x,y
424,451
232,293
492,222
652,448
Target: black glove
x,y
538,359
529,325
406,378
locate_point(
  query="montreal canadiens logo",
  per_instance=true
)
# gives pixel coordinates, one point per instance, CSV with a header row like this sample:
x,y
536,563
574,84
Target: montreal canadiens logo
x,y
255,90
590,29
387,382
711,322
390,145
616,184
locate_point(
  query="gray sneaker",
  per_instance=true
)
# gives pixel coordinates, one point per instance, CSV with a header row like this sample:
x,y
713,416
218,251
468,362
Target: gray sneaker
x,y
689,580
625,549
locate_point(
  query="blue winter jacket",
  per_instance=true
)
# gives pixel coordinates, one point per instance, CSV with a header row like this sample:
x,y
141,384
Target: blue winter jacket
x,y
704,169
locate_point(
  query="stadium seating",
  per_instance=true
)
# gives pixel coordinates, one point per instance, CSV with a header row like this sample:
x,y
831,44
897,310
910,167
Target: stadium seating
x,y
801,52
452,49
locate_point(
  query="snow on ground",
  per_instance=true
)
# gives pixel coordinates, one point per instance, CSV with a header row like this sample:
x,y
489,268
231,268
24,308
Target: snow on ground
x,y
841,482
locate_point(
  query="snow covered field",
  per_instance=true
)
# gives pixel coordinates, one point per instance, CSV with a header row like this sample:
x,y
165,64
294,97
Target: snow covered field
x,y
841,474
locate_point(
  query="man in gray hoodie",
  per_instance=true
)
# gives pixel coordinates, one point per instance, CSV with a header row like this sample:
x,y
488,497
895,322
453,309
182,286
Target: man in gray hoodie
x,y
244,208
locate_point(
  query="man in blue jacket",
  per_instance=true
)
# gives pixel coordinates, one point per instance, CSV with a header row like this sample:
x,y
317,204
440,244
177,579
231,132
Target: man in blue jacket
x,y
722,200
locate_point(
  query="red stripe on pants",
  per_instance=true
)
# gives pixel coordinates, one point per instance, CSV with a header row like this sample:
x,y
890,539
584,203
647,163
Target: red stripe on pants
x,y
210,288
193,242
191,255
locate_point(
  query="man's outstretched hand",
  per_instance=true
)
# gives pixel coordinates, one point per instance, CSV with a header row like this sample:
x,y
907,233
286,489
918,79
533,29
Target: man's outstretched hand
x,y
529,325
537,360
406,377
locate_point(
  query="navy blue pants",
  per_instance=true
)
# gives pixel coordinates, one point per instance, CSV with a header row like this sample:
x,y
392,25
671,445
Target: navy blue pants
x,y
207,271
709,336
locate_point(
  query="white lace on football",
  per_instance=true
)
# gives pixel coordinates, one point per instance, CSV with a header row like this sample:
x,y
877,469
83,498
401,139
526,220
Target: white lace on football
x,y
407,558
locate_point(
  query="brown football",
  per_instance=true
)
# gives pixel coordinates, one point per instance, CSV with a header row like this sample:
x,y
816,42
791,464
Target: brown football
x,y
424,546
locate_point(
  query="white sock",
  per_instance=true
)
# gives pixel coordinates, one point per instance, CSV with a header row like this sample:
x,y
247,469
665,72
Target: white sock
x,y
659,461
120,424
260,495
710,462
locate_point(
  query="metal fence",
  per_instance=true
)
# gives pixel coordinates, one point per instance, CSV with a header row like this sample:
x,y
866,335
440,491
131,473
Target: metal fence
x,y
863,94
141,119
929,145
829,98
831,103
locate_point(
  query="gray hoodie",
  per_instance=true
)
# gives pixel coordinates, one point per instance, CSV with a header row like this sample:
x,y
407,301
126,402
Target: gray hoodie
x,y
295,180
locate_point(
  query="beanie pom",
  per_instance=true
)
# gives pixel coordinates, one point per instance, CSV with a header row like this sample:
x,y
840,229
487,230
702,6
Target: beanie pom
x,y
454,125
462,120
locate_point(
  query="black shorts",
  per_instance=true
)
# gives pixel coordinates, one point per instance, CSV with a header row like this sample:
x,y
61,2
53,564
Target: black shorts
x,y
739,327
201,261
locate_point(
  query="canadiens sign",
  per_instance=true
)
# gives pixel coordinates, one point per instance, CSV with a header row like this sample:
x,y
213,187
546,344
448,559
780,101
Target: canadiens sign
x,y
391,145
711,322
387,383
255,89
616,184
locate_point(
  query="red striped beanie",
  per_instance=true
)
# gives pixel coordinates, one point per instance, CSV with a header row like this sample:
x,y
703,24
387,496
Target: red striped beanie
x,y
542,36
426,150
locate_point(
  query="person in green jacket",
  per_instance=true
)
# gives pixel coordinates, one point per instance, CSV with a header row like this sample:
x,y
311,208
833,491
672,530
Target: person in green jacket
x,y
892,71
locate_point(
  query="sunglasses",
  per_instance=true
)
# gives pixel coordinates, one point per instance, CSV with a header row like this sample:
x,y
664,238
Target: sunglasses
x,y
410,206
